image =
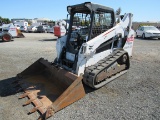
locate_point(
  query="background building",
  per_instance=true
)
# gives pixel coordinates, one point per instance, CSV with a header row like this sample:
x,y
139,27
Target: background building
x,y
30,21
20,19
148,23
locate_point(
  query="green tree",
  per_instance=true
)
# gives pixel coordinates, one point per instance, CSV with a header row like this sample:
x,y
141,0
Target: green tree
x,y
5,20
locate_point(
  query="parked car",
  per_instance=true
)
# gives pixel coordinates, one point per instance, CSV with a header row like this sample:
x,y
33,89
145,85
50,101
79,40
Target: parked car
x,y
23,29
32,29
42,28
50,30
148,32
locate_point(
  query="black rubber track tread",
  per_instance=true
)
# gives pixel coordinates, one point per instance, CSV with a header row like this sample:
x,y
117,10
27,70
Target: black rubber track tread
x,y
92,71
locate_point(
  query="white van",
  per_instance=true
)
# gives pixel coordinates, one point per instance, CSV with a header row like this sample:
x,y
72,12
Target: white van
x,y
21,23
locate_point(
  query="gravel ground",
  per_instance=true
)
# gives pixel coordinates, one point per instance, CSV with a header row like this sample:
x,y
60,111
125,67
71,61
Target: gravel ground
x,y
133,96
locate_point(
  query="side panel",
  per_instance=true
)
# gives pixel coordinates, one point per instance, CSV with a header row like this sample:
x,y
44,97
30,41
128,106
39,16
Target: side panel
x,y
63,31
129,43
85,61
13,31
61,42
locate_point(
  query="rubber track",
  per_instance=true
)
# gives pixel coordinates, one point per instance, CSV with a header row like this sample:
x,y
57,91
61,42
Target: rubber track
x,y
92,71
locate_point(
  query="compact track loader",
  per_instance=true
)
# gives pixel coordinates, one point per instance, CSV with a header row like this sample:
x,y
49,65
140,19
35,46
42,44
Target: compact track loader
x,y
94,53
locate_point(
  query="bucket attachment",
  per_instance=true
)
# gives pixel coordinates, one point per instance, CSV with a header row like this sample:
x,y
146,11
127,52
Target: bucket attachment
x,y
49,88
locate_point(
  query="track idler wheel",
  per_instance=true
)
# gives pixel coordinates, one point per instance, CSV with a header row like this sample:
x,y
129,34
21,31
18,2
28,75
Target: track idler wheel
x,y
124,58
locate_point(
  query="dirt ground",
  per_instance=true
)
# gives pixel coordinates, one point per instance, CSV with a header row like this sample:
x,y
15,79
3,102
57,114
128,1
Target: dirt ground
x,y
133,96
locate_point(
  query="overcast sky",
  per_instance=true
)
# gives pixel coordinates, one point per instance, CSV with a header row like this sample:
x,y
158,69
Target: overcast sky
x,y
143,10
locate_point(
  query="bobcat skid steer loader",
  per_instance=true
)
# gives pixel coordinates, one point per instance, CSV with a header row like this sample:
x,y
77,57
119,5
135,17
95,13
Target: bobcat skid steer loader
x,y
9,31
96,52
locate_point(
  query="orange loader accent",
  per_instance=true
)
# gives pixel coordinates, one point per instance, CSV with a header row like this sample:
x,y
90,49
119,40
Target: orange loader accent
x,y
19,34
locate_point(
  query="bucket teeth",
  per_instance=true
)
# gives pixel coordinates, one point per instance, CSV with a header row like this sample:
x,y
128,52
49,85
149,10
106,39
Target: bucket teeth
x,y
28,102
24,95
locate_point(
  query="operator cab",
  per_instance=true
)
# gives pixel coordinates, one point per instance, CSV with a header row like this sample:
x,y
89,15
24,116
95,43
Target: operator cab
x,y
87,20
